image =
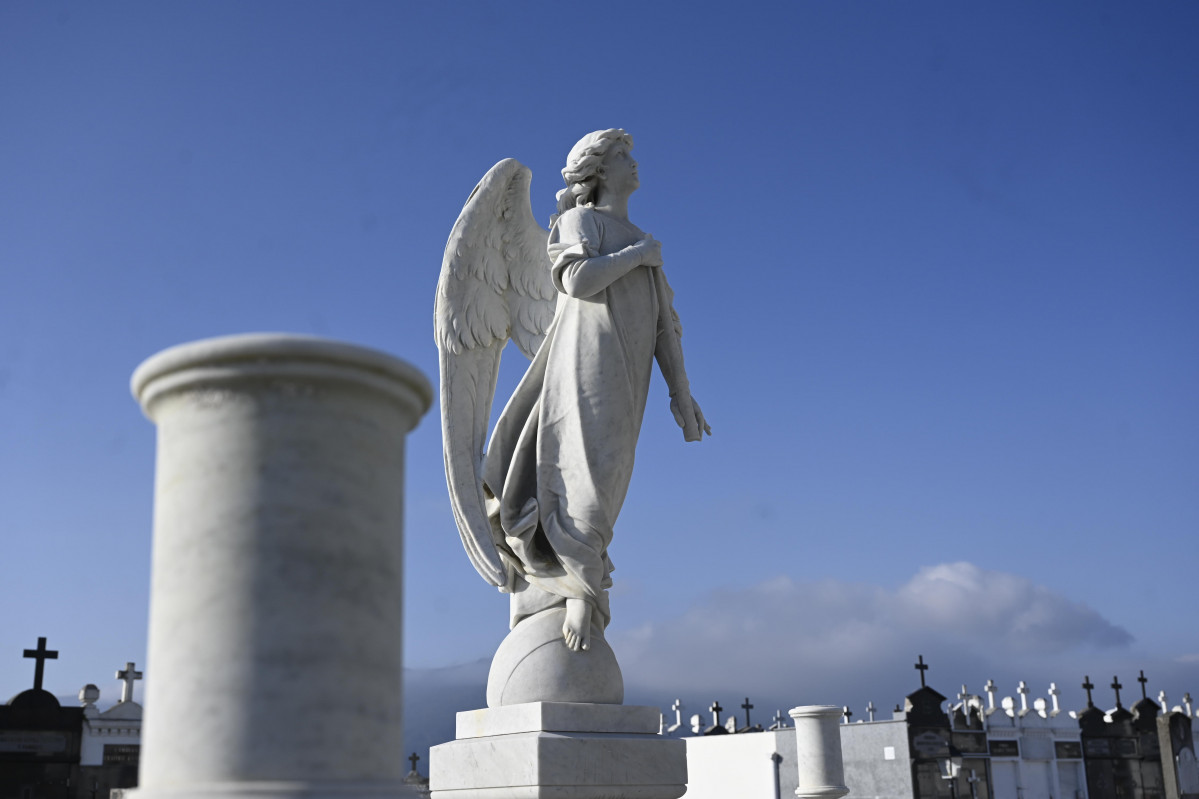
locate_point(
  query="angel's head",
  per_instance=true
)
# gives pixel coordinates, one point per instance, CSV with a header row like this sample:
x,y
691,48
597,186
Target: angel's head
x,y
586,170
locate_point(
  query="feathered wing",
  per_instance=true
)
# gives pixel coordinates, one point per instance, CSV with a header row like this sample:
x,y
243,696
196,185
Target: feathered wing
x,y
494,285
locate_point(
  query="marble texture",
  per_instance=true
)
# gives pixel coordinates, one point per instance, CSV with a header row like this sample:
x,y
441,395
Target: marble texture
x,y
532,665
821,773
589,305
276,596
518,752
558,717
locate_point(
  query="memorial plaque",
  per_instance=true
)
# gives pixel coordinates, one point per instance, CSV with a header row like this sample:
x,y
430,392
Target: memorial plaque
x,y
1005,748
122,754
1126,747
931,743
1098,747
34,743
1067,750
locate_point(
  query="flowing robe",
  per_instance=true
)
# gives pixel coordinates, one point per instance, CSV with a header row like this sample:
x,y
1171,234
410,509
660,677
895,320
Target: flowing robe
x,y
561,457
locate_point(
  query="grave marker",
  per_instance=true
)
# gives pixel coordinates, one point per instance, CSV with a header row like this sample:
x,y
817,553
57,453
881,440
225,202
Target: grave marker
x,y
41,655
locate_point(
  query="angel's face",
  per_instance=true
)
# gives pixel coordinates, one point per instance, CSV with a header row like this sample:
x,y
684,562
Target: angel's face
x,y
620,170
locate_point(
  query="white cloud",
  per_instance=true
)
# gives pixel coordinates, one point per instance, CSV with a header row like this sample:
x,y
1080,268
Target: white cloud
x,y
823,640
785,643
970,601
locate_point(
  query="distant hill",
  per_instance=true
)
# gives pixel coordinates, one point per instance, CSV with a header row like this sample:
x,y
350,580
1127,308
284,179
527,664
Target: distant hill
x,y
432,697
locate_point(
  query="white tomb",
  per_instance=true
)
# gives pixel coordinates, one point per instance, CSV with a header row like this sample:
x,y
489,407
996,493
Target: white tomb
x,y
119,729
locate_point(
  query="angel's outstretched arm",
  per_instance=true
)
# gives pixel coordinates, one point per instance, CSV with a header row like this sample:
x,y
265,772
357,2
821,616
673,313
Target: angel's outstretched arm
x,y
669,353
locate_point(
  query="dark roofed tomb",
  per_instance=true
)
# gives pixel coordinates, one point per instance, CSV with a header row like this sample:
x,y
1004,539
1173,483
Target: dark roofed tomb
x,y
44,746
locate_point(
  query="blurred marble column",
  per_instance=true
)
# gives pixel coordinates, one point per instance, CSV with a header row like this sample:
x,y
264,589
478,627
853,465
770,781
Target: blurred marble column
x,y
275,611
818,752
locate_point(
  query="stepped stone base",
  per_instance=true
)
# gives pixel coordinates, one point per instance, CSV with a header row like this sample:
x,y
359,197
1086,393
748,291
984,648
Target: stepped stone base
x,y
559,750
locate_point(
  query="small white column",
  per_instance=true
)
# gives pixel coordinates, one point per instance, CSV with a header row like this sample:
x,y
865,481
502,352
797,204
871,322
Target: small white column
x,y
275,610
818,752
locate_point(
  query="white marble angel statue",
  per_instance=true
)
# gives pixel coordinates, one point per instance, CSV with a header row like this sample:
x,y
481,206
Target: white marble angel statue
x,y
589,305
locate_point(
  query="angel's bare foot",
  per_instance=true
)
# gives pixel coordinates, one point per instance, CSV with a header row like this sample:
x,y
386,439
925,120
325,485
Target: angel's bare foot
x,y
577,627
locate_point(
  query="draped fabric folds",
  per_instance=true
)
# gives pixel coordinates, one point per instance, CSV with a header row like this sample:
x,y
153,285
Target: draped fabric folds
x,y
562,452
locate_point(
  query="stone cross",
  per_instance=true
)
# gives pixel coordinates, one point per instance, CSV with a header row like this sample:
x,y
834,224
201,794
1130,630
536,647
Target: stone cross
x,y
412,758
1116,686
870,708
747,707
1186,703
990,689
1053,694
1143,680
922,667
1088,687
129,675
963,695
715,710
677,707
973,779
1161,700
1022,689
779,721
41,655
846,713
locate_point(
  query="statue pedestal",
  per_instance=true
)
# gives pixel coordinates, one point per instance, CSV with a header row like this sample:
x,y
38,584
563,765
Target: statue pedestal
x,y
559,750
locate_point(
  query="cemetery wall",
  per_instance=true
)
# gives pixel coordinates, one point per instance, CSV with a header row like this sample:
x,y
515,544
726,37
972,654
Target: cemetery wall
x,y
877,759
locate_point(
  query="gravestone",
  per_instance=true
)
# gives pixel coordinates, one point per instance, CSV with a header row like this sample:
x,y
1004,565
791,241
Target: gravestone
x,y
1121,750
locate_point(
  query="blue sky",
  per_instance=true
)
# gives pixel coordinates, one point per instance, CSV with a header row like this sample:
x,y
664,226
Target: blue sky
x,y
936,264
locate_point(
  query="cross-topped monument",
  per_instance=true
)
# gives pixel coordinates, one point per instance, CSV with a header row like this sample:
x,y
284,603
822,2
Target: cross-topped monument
x,y
846,713
1088,687
41,655
128,675
413,758
779,721
1053,697
715,710
1022,689
1116,686
747,707
870,708
677,707
973,779
989,688
922,667
1143,680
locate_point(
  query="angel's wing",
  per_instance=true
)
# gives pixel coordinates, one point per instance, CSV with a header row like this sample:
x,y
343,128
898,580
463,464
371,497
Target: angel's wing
x,y
494,285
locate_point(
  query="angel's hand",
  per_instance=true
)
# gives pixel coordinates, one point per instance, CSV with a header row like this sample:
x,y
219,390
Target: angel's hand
x,y
700,421
651,251
701,424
